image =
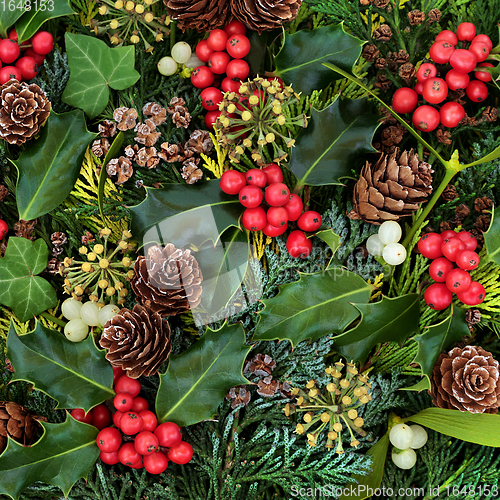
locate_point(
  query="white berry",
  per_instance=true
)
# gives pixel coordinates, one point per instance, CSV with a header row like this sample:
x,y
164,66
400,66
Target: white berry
x,y
401,436
419,437
167,66
194,62
108,312
76,330
181,52
394,254
389,232
71,308
405,459
90,313
374,246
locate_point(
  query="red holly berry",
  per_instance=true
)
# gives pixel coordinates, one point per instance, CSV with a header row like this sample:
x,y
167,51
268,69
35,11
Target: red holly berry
x,y
181,454
109,458
469,240
256,177
277,194
80,415
140,404
4,229
294,207
149,420
474,295
168,434
127,384
277,216
310,221
458,280
429,245
437,296
273,231
128,455
123,402
298,245
440,268
254,219
467,260
451,246
146,443
155,463
101,416
130,423
251,196
109,439
273,173
232,182
42,42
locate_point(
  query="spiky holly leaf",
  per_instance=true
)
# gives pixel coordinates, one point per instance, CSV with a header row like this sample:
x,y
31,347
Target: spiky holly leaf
x,y
390,320
65,453
20,288
75,374
198,379
492,239
318,304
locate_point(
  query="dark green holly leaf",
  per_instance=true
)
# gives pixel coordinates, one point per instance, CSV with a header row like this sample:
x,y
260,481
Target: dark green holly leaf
x,y
8,16
318,304
434,340
196,207
65,453
94,68
49,168
325,151
197,380
390,320
20,288
75,374
300,61
492,239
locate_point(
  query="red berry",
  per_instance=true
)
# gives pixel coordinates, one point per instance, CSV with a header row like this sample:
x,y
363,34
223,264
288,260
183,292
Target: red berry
x,y
149,420
449,233
4,229
202,77
429,245
232,182
440,268
9,73
80,415
128,455
123,402
483,39
477,91
277,194
168,434
109,458
419,88
9,51
457,80
203,51
441,51
130,423
28,67
117,416
484,76
181,454
451,114
467,260
127,384
310,221
466,32
462,60
235,27
277,216
109,439
294,207
251,196
404,100
155,463
117,373
37,57
298,245
273,174
468,239
451,246
273,231
425,118
435,90
229,85
437,296
138,464
217,40
146,443
426,70
210,98
480,50
474,295
237,69
218,62
140,404
211,118
448,36
256,177
101,416
254,219
43,43
458,280
238,46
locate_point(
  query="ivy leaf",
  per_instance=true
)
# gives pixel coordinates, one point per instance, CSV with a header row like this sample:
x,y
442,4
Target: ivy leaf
x,y
326,149
390,320
49,168
492,239
301,58
75,374
94,68
20,288
436,339
200,204
318,304
31,21
65,453
197,380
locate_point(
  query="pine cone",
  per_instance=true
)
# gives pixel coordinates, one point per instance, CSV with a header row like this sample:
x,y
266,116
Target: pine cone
x,y
392,188
168,280
137,341
466,379
16,422
201,16
25,108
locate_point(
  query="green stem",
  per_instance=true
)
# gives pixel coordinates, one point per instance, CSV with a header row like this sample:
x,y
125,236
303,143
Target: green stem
x,y
172,35
53,319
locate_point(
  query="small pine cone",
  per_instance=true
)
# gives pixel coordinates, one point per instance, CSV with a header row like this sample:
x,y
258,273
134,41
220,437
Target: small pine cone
x,y
380,4
201,16
450,193
3,192
483,205
107,128
146,133
416,17
168,280
179,113
400,57
100,147
473,316
88,238
24,110
147,157
466,379
54,265
392,135
130,151
443,136
380,63
392,188
190,172
286,390
120,166
199,142
267,387
137,341
383,83
239,396
16,422
490,114
56,251
434,15
261,365
156,112
370,52
462,211
126,118
407,71
171,153
483,223
445,226
383,33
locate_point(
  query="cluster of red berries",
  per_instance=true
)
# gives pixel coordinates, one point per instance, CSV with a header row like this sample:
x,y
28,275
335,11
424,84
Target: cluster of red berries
x,y
223,51
434,90
271,210
447,250
136,440
33,53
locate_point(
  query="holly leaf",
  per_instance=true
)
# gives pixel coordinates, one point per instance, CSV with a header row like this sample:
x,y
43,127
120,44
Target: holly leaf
x,y
65,453
75,374
326,149
8,16
48,170
41,11
195,206
434,340
198,379
20,289
94,68
492,239
390,320
300,60
318,304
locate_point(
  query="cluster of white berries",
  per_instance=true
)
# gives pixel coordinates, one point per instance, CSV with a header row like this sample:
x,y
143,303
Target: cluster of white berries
x,y
386,244
82,315
406,439
181,54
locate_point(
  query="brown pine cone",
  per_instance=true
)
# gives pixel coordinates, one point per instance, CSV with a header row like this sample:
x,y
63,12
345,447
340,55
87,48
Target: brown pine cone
x,y
167,281
383,33
434,15
449,193
392,188
466,379
261,365
239,395
370,52
156,112
16,422
267,387
107,128
24,110
3,192
483,205
416,17
190,172
137,341
201,16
